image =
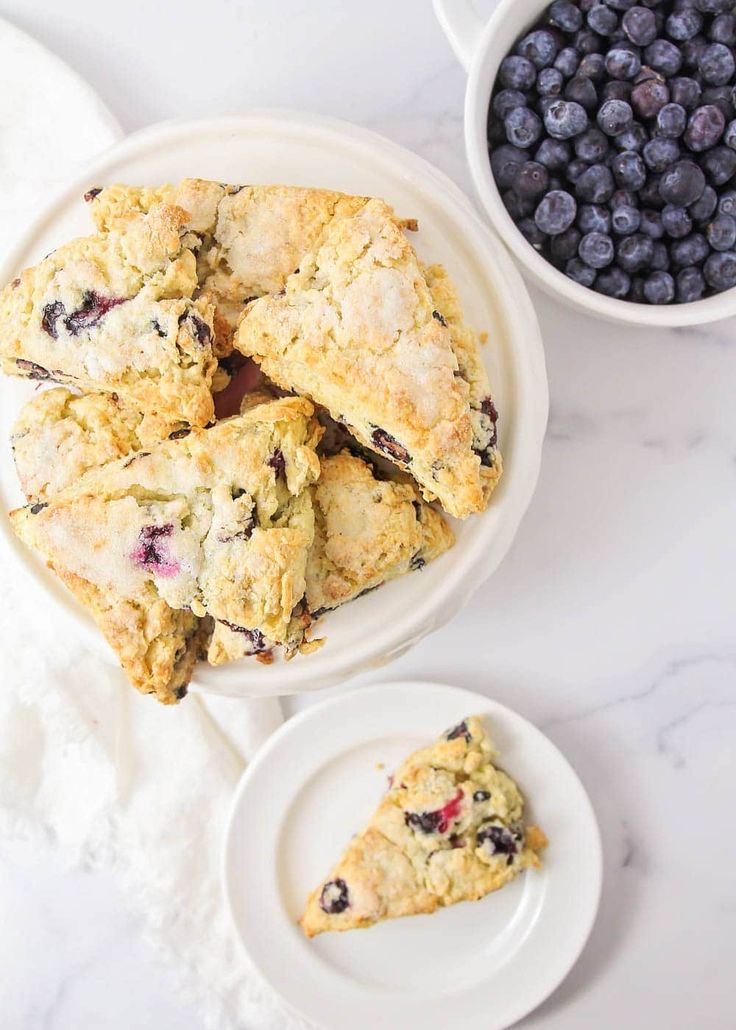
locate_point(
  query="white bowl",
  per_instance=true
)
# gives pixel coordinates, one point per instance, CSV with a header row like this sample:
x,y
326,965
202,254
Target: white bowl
x,y
288,147
481,47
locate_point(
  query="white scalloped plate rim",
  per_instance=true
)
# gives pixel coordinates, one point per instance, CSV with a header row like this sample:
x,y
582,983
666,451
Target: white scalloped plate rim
x,y
307,148
486,963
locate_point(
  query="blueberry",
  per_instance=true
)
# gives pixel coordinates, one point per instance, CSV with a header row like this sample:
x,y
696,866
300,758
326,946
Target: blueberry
x,y
685,91
723,29
334,898
565,16
587,42
640,26
622,198
531,181
591,146
634,138
594,218
659,288
682,25
682,184
721,97
544,103
556,212
595,185
152,549
620,5
495,132
613,282
616,89
676,221
691,51
383,441
690,285
596,250
505,162
625,220
565,245
649,194
575,169
660,257
717,64
651,224
649,96
705,127
581,90
602,19
634,253
713,6
702,210
721,233
565,119
614,117
671,121
497,839
593,66
50,315
579,272
693,250
516,206
629,170
720,271
523,127
517,73
719,164
549,82
664,57
540,47
727,202
554,154
567,61
506,100
622,63
660,153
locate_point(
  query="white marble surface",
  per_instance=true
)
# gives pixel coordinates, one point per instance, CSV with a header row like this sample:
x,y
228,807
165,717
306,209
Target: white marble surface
x,y
610,625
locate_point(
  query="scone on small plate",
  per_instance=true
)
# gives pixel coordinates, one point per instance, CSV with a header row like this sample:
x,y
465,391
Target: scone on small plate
x,y
116,313
449,829
216,523
360,330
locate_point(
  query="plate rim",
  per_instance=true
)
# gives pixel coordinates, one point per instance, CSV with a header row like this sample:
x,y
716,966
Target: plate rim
x,y
419,619
490,708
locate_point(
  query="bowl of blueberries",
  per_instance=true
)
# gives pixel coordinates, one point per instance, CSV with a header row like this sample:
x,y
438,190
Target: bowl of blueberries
x,y
601,136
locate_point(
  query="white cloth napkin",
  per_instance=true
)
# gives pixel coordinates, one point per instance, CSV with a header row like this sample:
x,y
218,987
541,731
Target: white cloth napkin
x,y
115,778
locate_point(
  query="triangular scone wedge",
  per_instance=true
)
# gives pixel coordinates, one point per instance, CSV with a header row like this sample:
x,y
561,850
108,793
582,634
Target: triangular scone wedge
x,y
114,313
449,829
357,331
218,522
59,436
367,530
252,237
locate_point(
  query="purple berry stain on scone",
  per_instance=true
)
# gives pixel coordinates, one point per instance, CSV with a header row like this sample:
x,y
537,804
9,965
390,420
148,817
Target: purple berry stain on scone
x,y
437,821
440,318
152,553
201,330
32,370
334,898
498,839
92,310
91,194
50,316
390,445
254,637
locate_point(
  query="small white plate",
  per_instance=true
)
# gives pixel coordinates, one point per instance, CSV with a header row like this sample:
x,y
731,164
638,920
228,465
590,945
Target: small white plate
x,y
316,782
290,147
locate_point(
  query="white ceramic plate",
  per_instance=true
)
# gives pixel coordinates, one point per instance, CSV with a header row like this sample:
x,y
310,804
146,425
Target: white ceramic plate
x,y
482,964
303,149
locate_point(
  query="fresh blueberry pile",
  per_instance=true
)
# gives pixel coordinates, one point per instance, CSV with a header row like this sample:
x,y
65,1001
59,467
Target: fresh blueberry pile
x,y
612,138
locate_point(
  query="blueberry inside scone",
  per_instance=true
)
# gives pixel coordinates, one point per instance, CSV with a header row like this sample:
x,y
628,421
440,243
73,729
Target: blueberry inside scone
x,y
449,829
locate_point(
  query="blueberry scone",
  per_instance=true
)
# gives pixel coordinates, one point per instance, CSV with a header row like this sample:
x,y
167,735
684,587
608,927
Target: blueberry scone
x,y
357,331
59,436
115,313
366,531
251,237
216,523
449,829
